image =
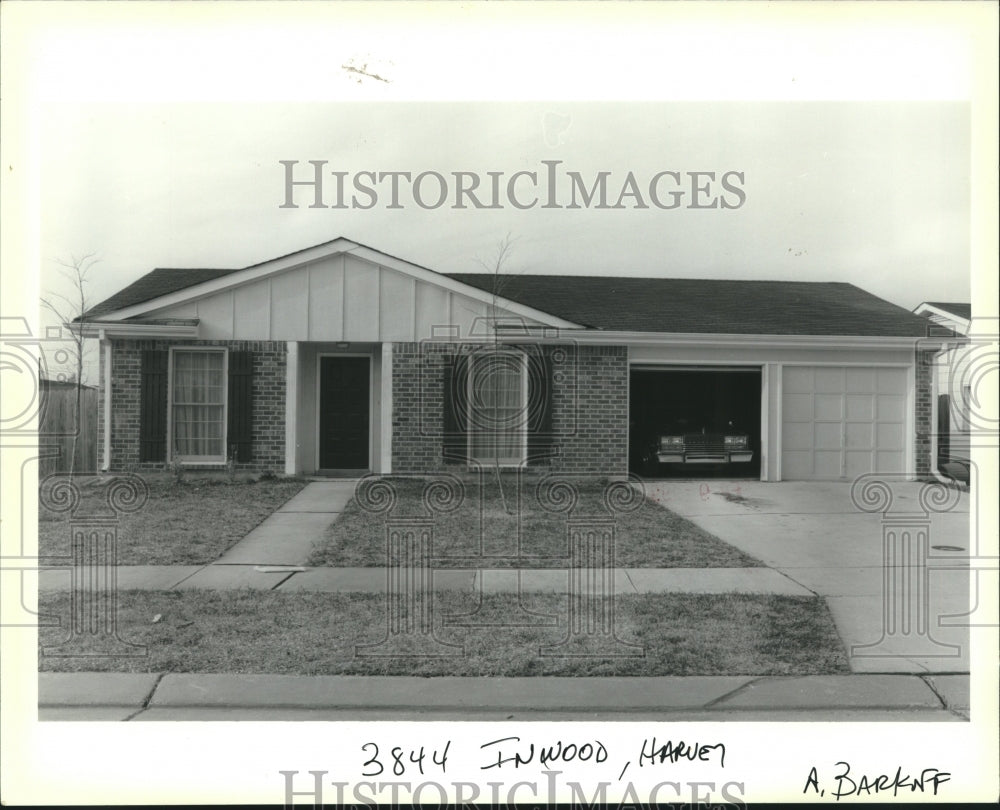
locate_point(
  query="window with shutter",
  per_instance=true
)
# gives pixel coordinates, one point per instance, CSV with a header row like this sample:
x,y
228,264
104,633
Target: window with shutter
x,y
198,396
240,407
497,407
454,445
540,407
153,406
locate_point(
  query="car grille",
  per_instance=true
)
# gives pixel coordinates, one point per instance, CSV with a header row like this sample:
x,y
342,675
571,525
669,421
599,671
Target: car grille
x,y
703,443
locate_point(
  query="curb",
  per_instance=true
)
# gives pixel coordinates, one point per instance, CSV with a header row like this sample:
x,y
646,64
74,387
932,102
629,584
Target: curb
x,y
134,694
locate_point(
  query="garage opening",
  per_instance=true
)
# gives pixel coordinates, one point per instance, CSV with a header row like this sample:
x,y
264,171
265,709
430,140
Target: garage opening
x,y
695,422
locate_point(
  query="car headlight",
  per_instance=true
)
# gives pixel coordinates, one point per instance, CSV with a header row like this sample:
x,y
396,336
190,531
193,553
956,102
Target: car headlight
x,y
671,442
736,442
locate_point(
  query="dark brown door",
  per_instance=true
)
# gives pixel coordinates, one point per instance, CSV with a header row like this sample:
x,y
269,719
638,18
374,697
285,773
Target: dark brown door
x,y
343,413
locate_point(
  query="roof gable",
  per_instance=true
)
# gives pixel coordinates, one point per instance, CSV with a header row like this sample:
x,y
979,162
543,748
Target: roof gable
x,y
170,292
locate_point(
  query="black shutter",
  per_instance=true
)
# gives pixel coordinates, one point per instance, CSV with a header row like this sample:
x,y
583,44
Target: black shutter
x,y
153,406
240,421
539,406
455,376
944,428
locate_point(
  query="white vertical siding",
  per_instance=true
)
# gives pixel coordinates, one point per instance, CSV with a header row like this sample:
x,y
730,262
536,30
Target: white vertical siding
x,y
252,311
290,305
216,316
431,310
361,292
397,296
326,299
338,298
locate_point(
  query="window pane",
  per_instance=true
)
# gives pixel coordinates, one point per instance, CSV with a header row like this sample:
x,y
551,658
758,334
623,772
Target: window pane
x,y
198,411
198,377
497,417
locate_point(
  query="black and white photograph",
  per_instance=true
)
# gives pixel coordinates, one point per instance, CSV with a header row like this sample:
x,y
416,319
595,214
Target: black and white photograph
x,y
493,404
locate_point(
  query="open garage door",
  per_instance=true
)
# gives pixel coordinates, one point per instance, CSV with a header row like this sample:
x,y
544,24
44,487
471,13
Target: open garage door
x,y
695,421
839,422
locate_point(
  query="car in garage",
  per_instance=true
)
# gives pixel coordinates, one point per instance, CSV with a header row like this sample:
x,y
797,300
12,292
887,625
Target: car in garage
x,y
692,443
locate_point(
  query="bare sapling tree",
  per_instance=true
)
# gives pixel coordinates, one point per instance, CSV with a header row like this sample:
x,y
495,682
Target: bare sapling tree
x,y
70,310
500,279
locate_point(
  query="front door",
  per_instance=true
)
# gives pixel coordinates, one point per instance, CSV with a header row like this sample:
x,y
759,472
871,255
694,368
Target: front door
x,y
344,384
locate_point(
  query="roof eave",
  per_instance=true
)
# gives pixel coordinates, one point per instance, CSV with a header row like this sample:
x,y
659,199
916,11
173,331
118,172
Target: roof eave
x,y
119,329
719,340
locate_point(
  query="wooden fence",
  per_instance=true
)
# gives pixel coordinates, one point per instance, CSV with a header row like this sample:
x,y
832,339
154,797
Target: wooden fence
x,y
57,428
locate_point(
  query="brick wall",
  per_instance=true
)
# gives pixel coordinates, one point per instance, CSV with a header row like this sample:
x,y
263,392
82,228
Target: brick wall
x,y
589,419
269,360
591,413
923,403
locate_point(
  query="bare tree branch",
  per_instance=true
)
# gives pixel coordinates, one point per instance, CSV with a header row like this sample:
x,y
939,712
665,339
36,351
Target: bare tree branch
x,y
72,309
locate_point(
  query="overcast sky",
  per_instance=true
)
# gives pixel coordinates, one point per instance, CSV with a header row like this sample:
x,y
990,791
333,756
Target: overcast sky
x,y
873,193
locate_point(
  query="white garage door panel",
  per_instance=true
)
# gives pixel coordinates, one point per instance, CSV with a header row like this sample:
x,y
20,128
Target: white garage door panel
x,y
796,464
860,380
829,406
798,406
860,435
797,379
859,462
842,421
829,435
889,437
860,408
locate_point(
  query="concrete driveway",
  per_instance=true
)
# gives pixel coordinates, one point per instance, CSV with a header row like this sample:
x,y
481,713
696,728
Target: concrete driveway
x,y
814,534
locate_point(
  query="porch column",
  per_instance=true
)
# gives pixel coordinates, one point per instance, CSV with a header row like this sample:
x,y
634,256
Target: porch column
x,y
775,441
106,352
385,412
291,407
770,422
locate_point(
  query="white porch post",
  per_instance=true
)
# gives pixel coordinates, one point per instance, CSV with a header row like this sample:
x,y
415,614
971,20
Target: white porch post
x,y
775,439
291,408
765,422
106,449
385,413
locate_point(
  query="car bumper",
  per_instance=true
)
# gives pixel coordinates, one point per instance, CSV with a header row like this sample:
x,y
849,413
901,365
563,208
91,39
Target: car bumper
x,y
734,457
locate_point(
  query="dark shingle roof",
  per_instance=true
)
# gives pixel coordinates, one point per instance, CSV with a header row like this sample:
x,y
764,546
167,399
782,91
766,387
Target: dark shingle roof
x,y
713,306
161,281
955,308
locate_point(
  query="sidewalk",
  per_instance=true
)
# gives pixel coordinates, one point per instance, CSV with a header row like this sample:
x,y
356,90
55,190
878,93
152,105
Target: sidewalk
x,y
174,696
272,577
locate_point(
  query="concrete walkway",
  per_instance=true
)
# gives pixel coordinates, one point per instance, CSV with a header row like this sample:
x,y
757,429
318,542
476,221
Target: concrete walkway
x,y
373,580
288,535
176,696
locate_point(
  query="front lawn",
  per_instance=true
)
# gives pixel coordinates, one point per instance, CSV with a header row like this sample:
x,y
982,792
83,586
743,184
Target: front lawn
x,y
315,634
191,522
483,532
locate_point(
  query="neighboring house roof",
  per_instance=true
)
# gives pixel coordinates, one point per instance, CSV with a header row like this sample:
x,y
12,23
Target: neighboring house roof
x,y
957,309
631,304
713,306
954,316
